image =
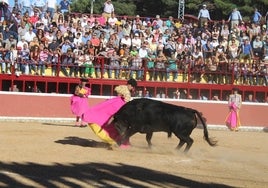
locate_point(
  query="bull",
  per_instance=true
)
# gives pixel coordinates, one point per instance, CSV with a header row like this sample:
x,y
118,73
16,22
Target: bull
x,y
147,116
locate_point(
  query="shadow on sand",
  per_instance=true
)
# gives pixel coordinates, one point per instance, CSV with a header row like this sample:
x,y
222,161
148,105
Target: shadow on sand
x,y
72,140
90,175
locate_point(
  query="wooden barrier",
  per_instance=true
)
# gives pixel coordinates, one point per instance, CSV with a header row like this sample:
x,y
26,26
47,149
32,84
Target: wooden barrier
x,y
35,105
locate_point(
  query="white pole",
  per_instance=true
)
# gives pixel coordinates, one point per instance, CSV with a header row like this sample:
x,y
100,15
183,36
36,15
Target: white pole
x,y
92,6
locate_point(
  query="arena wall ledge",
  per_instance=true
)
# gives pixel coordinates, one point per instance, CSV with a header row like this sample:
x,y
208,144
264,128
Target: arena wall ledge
x,y
17,106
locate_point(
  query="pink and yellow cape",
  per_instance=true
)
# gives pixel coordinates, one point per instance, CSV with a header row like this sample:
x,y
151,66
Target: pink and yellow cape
x,y
98,117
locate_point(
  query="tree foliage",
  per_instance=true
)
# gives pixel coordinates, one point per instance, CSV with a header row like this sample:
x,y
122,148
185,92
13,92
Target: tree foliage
x,y
218,9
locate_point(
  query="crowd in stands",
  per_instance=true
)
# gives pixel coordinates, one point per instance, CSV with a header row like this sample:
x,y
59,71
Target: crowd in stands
x,y
83,45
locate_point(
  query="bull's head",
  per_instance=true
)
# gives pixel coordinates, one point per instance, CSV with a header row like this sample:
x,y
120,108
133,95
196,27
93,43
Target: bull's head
x,y
123,127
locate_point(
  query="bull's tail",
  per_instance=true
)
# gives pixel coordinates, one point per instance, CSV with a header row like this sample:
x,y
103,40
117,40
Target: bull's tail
x,y
210,141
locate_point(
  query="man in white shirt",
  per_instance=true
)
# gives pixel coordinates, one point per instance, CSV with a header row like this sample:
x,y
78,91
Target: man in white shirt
x,y
136,41
29,35
203,16
126,40
143,51
112,20
21,43
108,9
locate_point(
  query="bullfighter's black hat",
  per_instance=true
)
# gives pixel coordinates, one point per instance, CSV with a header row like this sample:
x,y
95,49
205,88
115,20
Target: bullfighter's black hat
x,y
84,80
235,89
132,82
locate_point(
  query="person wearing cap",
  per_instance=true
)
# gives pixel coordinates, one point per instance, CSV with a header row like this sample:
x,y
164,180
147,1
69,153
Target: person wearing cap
x,y
100,116
203,15
234,105
257,47
79,101
136,41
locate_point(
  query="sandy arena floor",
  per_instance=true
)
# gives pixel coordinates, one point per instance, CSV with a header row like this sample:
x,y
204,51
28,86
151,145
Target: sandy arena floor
x,y
35,154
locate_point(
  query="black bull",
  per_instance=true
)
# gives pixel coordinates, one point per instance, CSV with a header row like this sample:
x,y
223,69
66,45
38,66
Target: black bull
x,y
148,116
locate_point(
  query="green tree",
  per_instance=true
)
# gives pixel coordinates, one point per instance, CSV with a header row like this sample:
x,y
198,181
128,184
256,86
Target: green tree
x,y
122,7
218,9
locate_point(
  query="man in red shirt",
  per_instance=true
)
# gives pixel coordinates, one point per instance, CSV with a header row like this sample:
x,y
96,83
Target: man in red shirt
x,y
34,18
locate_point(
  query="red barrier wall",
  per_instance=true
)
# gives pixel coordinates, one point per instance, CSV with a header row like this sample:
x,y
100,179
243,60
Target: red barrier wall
x,y
58,106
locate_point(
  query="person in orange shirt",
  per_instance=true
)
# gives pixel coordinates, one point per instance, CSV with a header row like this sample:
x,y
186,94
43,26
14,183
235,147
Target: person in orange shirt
x,y
95,41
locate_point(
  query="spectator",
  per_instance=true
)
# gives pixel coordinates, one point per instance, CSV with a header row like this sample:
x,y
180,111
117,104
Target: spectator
x,y
88,64
126,40
39,7
266,19
24,60
136,41
51,7
124,66
108,9
160,67
34,18
161,94
64,6
4,9
233,49
43,60
34,56
143,51
54,60
10,42
256,18
21,43
136,67
114,65
26,6
245,51
68,60
257,47
158,23
172,67
203,16
234,18
112,21
150,59
22,31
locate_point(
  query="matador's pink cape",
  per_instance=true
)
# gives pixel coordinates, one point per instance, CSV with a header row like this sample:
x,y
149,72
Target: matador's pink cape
x,y
232,120
97,116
